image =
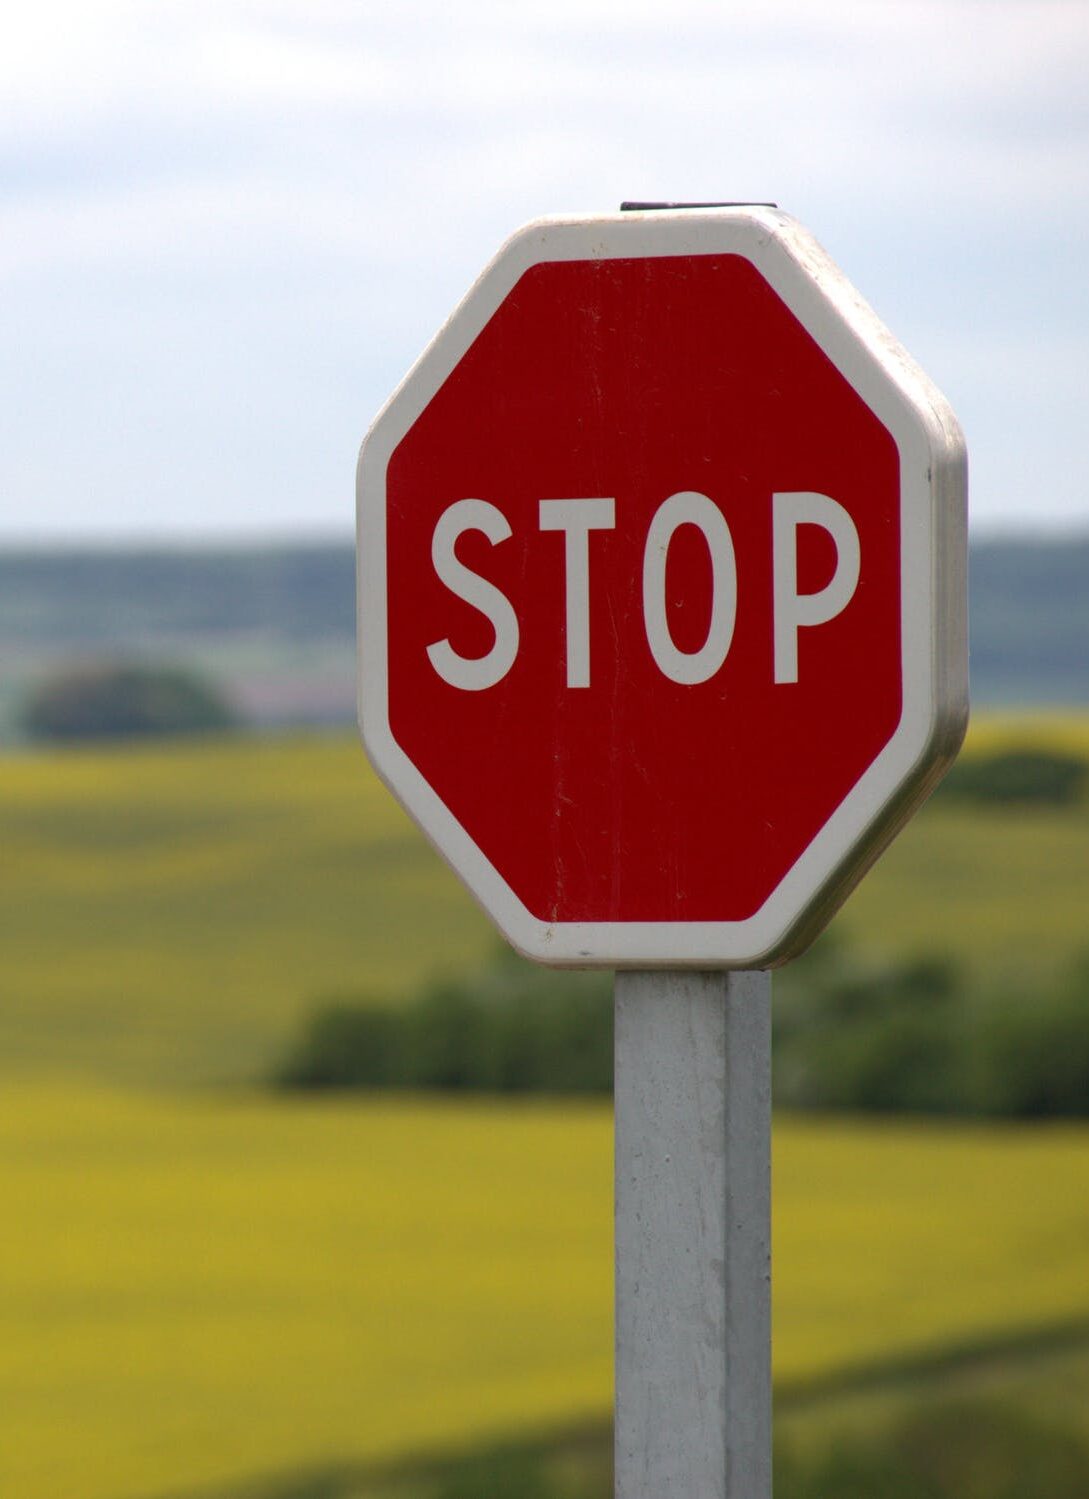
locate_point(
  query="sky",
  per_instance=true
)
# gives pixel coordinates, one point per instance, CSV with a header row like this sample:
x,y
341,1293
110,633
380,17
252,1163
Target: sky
x,y
227,229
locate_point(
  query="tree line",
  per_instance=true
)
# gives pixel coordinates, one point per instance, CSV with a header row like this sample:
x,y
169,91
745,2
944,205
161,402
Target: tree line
x,y
912,1037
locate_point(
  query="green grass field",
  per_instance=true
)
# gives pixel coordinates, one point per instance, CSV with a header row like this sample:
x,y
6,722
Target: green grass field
x,y
1004,891
167,914
201,1285
197,1291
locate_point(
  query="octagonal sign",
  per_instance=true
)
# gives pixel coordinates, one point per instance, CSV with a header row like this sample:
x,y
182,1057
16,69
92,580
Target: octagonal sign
x,y
661,589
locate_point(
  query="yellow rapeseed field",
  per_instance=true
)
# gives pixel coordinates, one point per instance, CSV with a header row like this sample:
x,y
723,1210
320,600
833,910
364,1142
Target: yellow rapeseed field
x,y
196,1289
1005,890
168,913
201,1287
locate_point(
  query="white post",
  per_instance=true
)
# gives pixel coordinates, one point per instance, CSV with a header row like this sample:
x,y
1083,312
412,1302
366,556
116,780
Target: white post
x,y
693,1235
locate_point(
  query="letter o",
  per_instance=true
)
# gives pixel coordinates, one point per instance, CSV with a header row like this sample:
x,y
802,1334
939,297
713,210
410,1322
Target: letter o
x,y
690,508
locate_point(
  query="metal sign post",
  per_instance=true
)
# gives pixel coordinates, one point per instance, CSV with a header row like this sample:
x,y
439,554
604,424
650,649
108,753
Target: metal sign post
x,y
693,1235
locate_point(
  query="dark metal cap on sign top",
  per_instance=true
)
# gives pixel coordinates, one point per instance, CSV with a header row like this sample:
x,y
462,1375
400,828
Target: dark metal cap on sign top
x,y
633,207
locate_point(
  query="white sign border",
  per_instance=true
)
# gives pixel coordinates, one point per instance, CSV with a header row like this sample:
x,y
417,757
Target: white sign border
x,y
933,508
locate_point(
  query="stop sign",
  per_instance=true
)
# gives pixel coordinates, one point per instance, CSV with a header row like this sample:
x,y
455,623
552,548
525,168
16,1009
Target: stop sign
x,y
661,589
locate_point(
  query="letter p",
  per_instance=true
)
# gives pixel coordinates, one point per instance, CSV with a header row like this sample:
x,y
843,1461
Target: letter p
x,y
792,610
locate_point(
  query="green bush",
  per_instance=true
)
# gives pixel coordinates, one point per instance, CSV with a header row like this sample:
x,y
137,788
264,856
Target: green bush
x,y
1028,776
875,1039
347,1045
120,701
1032,1060
910,1037
917,1038
514,1028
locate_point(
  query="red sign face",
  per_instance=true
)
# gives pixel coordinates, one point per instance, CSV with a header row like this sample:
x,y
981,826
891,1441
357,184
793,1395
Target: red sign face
x,y
643,624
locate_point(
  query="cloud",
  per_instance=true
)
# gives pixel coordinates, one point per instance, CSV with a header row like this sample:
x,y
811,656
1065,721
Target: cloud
x,y
217,179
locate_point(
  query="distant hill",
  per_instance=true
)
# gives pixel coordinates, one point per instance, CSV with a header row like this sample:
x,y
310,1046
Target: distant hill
x,y
111,599
275,625
1029,611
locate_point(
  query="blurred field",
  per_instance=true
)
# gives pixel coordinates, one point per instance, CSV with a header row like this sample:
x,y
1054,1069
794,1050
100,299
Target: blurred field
x,y
168,913
165,913
198,1287
196,1290
1005,891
